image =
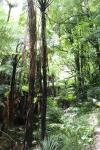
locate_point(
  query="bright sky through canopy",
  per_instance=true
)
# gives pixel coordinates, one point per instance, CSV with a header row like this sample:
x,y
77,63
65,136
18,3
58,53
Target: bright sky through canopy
x,y
15,12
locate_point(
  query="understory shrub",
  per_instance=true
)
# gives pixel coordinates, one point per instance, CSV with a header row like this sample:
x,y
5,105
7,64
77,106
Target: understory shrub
x,y
73,131
54,113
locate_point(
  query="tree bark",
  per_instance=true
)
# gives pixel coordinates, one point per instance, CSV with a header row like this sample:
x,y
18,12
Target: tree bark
x,y
12,90
98,55
30,111
44,69
78,74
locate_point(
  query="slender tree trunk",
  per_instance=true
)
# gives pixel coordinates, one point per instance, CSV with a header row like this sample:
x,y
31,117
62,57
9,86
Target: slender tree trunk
x,y
82,64
30,112
39,80
98,55
12,91
44,69
78,74
10,8
53,85
9,13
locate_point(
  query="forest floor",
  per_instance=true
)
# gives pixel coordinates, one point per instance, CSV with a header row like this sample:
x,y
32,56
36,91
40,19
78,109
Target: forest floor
x,y
6,143
95,122
97,138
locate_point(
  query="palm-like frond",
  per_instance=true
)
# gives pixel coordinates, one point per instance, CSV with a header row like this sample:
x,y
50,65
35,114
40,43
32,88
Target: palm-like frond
x,y
52,143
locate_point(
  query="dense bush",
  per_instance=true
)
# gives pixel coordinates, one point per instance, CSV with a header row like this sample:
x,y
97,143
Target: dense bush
x,y
54,113
73,131
94,92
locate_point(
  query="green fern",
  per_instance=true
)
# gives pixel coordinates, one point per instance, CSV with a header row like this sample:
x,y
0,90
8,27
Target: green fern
x,y
52,143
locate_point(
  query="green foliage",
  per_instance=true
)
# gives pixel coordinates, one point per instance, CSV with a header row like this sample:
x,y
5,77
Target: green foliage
x,y
6,68
98,117
52,143
74,110
73,38
54,113
97,20
4,89
74,133
94,92
25,88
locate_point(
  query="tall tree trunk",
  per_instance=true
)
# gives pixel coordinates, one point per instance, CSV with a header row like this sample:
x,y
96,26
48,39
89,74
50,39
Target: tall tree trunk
x,y
39,80
82,64
78,74
44,69
30,111
12,91
97,54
